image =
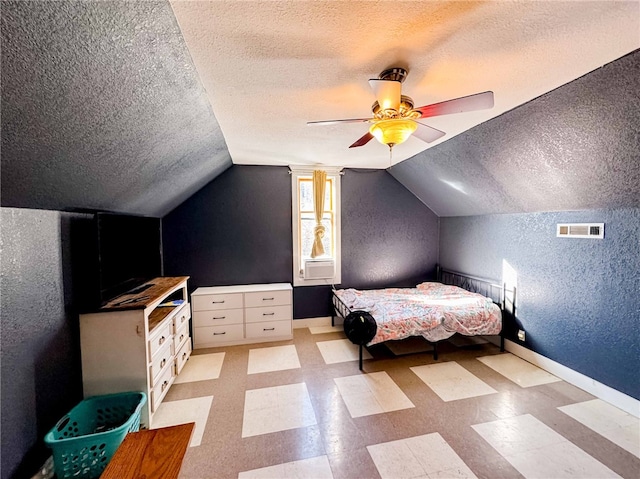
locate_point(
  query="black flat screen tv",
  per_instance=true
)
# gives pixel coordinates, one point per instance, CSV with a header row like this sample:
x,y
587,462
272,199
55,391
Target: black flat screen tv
x,y
129,252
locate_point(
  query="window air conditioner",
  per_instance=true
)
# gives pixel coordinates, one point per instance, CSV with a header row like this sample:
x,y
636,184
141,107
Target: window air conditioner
x,y
319,269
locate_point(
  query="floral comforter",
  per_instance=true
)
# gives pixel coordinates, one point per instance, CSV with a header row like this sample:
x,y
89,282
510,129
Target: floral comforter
x,y
433,310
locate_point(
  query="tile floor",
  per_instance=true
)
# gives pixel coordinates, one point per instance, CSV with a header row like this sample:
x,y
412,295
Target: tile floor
x,y
302,409
340,351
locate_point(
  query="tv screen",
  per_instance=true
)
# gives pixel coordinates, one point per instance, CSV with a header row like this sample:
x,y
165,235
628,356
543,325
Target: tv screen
x,y
129,252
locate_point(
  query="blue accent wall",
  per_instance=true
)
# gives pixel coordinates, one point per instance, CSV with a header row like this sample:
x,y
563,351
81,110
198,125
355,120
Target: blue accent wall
x,y
237,230
41,374
577,299
389,237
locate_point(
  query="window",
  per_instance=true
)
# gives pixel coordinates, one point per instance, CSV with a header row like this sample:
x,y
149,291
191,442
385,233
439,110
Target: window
x,y
323,269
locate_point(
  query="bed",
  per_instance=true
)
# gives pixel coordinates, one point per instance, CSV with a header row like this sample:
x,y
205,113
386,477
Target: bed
x,y
456,303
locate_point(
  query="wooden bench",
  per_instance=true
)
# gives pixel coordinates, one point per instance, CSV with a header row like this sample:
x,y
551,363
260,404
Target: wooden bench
x,y
153,453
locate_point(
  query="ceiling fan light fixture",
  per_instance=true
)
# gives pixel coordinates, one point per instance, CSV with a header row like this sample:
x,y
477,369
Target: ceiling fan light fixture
x,y
393,132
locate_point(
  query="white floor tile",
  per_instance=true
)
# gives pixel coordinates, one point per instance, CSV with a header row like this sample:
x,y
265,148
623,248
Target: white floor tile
x,y
425,456
451,381
517,434
559,461
312,468
340,351
394,460
260,399
277,358
518,370
616,425
172,413
201,367
375,393
537,451
277,409
325,329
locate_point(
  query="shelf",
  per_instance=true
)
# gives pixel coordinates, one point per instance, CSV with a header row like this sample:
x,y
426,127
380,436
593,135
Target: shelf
x,y
158,315
158,289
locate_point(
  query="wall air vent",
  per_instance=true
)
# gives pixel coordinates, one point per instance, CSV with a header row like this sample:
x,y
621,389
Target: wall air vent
x,y
319,269
581,230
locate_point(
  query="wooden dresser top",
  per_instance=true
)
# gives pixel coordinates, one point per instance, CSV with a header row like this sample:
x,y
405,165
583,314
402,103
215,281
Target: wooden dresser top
x,y
145,294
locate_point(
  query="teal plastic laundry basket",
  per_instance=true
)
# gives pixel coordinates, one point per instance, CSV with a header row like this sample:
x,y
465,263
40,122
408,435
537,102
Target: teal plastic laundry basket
x,y
86,438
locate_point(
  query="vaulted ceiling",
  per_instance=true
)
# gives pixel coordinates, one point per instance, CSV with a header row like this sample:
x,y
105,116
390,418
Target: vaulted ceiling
x,y
134,106
575,148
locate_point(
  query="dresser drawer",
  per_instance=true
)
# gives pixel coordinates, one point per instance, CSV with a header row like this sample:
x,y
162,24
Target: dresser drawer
x,y
161,386
160,335
207,335
180,337
160,361
273,313
212,302
268,329
267,298
218,318
181,317
183,354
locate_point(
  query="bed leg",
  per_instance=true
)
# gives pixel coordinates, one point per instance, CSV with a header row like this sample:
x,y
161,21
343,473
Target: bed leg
x,y
502,342
360,359
435,351
333,320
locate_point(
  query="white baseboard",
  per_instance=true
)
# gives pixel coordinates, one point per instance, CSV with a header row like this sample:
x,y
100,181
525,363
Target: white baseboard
x,y
315,322
599,390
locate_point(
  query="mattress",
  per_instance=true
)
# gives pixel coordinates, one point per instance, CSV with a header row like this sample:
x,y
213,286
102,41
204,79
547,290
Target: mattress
x,y
432,310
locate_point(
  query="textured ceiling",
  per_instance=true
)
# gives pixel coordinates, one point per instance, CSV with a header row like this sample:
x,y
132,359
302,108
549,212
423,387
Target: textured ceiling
x,y
271,66
110,104
102,109
575,148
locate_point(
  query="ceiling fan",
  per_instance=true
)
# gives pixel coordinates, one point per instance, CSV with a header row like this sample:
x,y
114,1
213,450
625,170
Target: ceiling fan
x,y
394,117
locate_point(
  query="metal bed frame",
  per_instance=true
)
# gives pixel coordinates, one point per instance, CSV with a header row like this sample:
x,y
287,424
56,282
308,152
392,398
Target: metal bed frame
x,y
498,293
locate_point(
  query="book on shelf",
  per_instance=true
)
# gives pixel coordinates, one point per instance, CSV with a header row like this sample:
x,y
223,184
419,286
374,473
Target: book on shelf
x,y
175,302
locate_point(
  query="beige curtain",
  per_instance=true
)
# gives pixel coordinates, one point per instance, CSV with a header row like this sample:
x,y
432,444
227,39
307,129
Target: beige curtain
x,y
319,183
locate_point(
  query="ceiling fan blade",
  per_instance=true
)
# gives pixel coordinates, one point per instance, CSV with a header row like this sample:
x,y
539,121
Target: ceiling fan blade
x,y
478,101
387,93
427,133
366,138
333,122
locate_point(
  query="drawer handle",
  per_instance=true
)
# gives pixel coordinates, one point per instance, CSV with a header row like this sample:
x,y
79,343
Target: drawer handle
x,y
218,334
268,314
217,302
268,329
163,362
184,355
182,319
219,317
161,340
181,338
164,385
267,299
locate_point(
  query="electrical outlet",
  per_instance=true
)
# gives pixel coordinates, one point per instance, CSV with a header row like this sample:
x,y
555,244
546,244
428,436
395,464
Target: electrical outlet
x,y
521,334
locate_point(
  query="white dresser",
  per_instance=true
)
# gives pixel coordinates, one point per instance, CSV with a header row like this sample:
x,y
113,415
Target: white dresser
x,y
253,313
138,342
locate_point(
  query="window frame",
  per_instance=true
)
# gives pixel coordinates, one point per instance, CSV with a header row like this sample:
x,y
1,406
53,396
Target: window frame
x,y
305,172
